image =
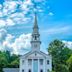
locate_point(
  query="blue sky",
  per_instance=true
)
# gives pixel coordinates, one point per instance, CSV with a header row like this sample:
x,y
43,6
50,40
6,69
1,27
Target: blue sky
x,y
17,17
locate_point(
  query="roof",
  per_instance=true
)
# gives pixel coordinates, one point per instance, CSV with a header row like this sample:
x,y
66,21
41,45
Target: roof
x,y
10,69
31,52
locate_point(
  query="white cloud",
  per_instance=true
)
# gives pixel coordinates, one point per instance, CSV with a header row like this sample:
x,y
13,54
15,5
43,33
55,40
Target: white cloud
x,y
39,0
7,43
13,44
68,44
2,23
28,2
9,16
3,34
51,14
9,22
9,7
23,42
19,18
0,6
40,10
1,14
14,12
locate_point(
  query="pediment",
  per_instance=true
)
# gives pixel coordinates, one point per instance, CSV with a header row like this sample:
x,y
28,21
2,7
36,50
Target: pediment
x,y
35,54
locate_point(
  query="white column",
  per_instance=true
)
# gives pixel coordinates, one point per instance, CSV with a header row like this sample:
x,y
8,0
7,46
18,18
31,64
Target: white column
x,y
44,66
32,65
38,66
26,68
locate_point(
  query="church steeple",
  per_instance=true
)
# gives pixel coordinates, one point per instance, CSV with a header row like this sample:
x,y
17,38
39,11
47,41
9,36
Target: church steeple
x,y
35,27
35,42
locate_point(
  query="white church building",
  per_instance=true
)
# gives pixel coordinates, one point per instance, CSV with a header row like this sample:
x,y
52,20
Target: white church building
x,y
35,60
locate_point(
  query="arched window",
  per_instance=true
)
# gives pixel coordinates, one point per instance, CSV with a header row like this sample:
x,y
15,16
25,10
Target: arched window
x,y
41,70
29,70
35,38
22,70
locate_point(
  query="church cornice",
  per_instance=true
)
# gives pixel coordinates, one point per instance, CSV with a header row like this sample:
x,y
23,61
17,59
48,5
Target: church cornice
x,y
36,42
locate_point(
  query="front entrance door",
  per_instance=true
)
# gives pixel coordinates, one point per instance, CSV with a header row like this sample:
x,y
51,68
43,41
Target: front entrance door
x,y
35,65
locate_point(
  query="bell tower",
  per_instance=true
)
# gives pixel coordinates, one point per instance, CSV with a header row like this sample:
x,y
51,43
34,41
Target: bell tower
x,y
35,42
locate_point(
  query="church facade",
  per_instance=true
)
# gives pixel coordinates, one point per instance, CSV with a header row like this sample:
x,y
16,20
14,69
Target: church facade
x,y
35,60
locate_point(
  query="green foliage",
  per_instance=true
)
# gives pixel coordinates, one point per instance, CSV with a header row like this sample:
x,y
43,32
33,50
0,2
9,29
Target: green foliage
x,y
60,53
15,63
69,63
8,60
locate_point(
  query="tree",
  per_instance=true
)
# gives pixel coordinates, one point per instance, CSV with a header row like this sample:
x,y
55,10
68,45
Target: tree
x,y
8,60
60,53
3,61
69,62
15,63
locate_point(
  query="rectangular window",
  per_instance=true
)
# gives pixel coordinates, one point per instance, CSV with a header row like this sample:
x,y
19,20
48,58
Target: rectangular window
x,y
22,61
41,61
29,61
47,61
48,70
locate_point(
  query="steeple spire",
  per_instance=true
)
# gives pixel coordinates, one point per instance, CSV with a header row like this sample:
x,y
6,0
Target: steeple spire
x,y
35,23
35,42
35,27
